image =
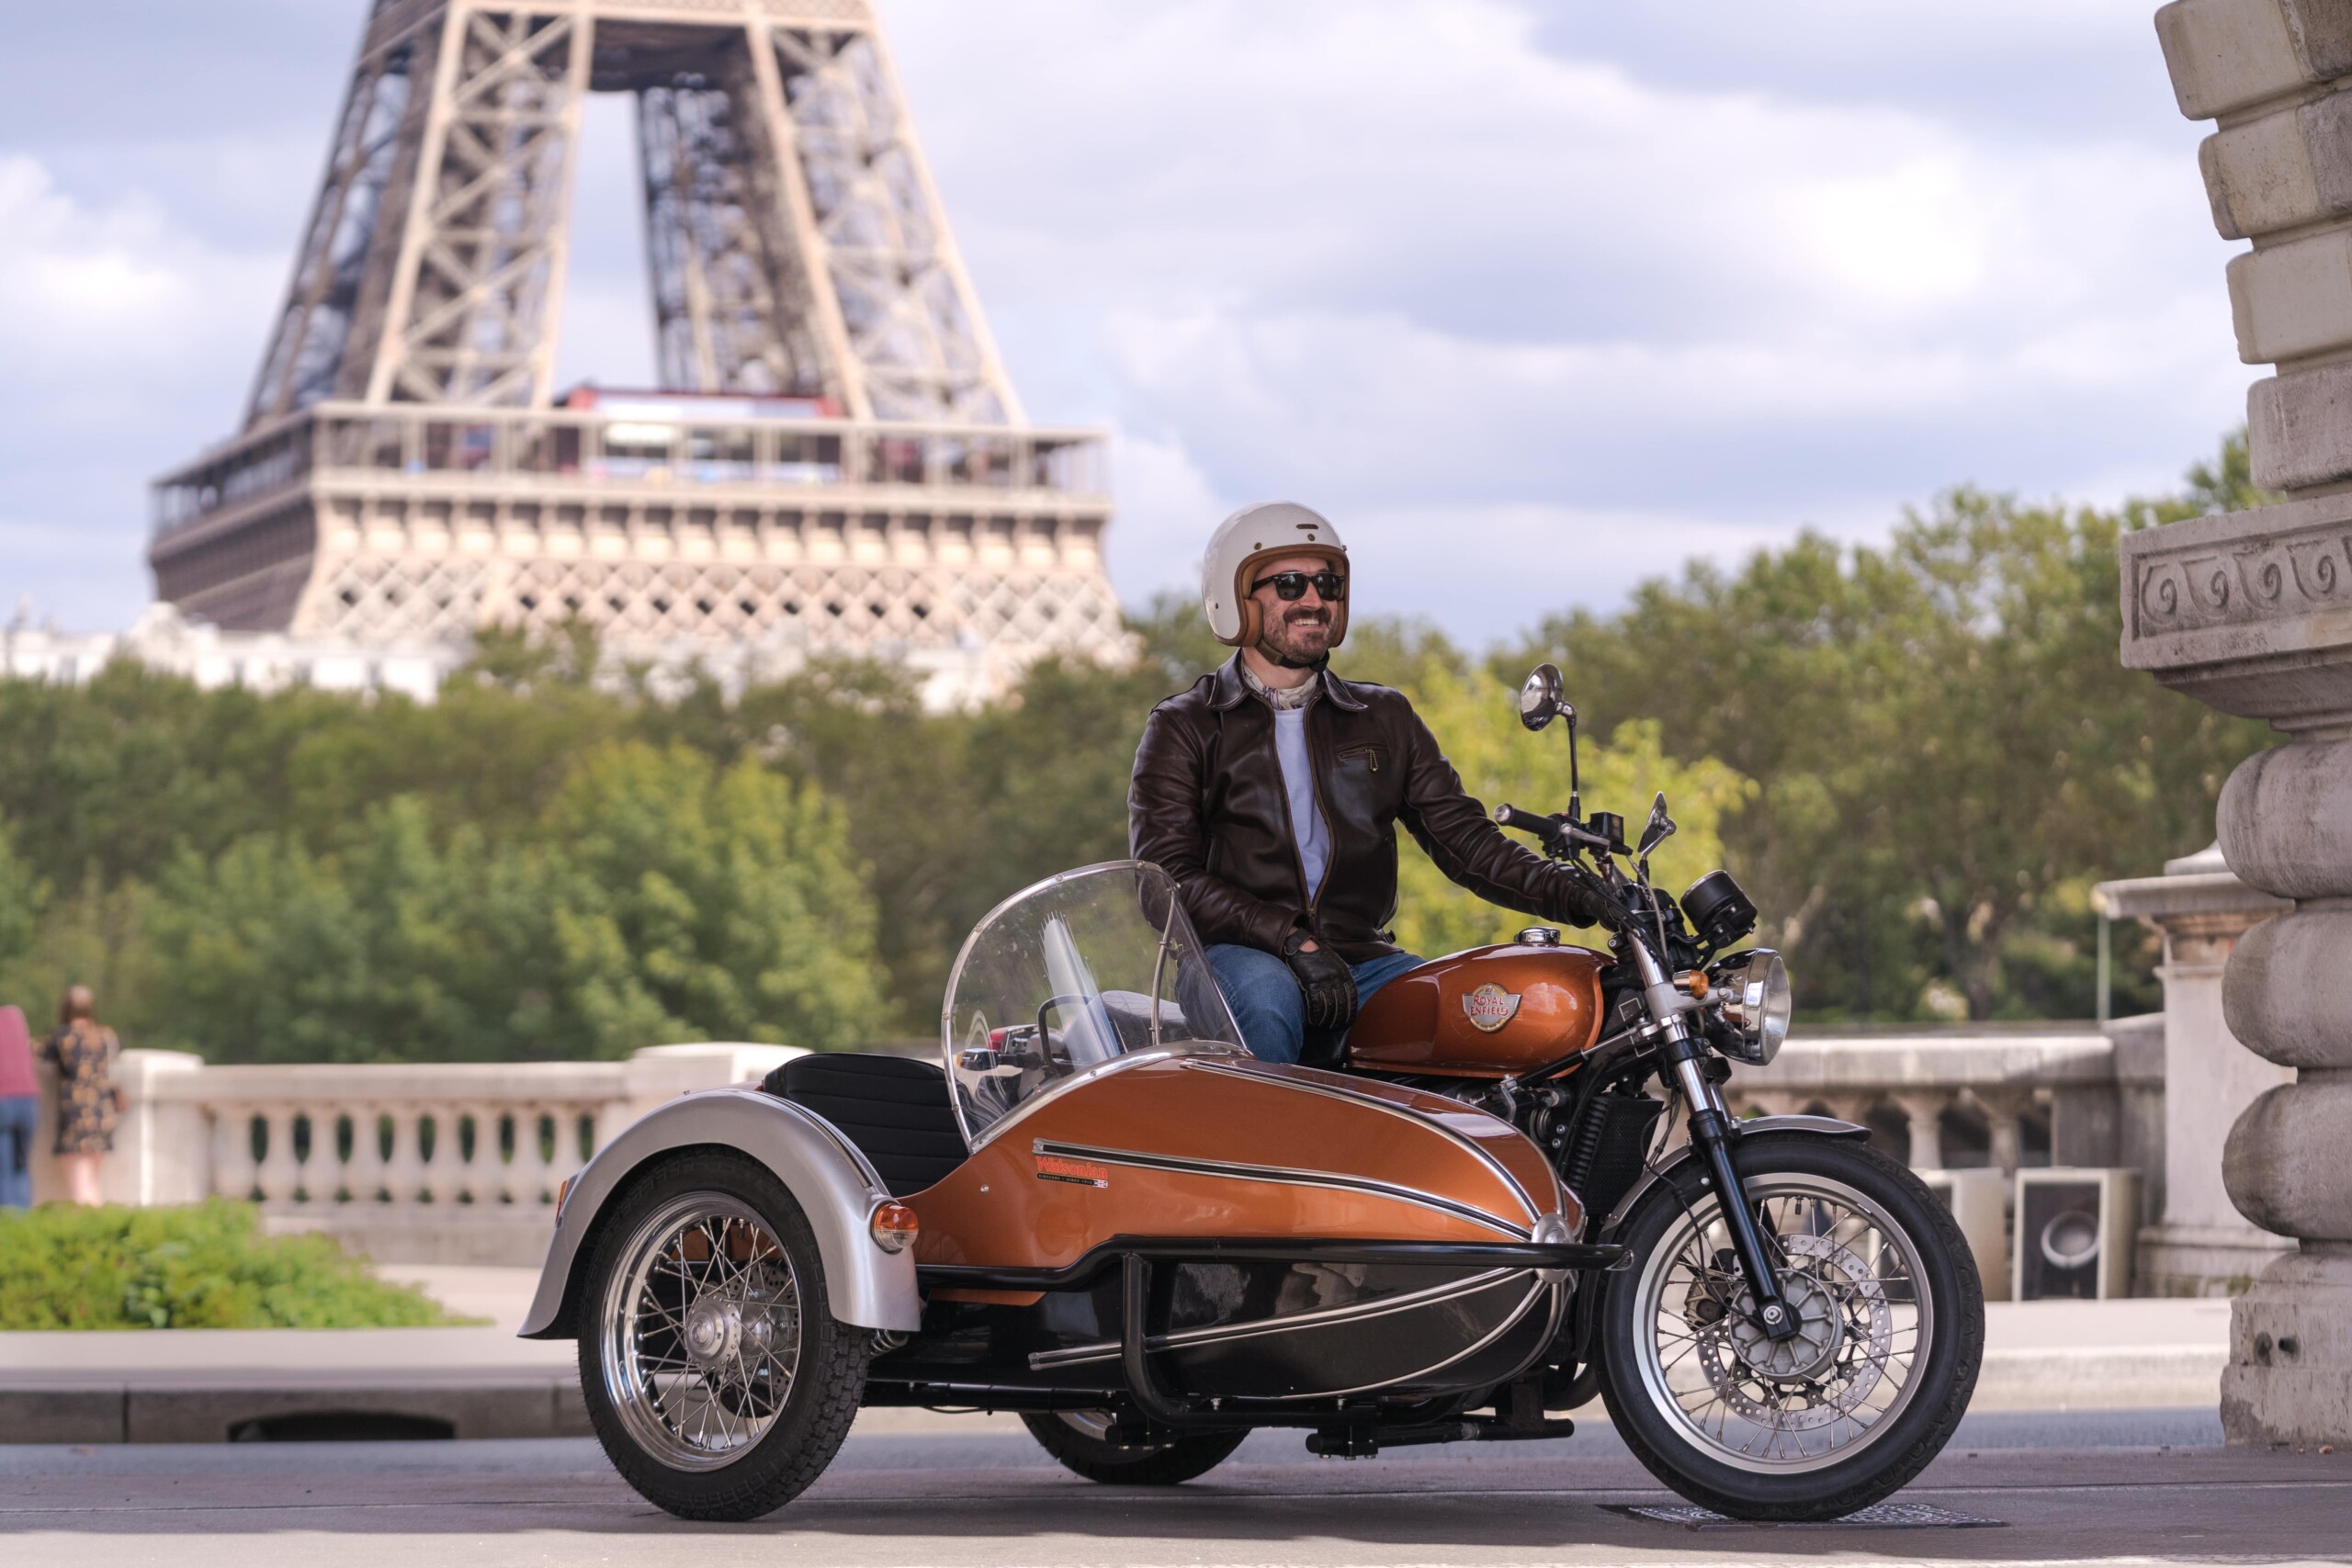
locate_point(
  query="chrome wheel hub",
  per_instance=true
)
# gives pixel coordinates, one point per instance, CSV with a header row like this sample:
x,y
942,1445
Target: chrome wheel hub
x,y
1804,1354
713,1330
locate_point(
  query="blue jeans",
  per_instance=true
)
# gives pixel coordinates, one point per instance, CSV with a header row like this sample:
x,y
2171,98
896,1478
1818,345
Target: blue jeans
x,y
1268,1005
19,1120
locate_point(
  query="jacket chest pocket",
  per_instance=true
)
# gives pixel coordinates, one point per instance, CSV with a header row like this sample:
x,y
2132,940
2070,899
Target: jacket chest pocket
x,y
1368,759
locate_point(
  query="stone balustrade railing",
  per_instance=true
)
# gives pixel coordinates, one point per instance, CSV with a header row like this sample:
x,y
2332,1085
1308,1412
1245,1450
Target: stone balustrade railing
x,y
437,1162
422,1162
1980,1094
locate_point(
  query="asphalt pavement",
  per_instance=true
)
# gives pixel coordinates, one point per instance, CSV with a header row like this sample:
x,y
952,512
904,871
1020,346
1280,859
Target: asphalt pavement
x,y
210,1385
2109,1486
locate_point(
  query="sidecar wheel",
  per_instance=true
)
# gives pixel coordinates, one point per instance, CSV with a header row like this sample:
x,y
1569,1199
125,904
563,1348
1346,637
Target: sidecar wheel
x,y
715,1375
1080,1440
1817,1427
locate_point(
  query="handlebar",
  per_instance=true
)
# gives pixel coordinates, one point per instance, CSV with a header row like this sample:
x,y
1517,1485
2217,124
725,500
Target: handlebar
x,y
1555,830
1545,827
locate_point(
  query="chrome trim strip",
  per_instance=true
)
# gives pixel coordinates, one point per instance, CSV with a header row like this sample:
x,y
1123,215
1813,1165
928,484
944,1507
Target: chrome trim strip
x,y
1517,1312
1428,1295
1094,1074
1356,1096
1288,1175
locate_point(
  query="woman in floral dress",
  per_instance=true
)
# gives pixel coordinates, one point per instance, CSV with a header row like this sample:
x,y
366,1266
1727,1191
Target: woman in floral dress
x,y
84,1051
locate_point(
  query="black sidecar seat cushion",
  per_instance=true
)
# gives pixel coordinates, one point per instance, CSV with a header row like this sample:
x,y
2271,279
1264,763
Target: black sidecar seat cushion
x,y
895,1109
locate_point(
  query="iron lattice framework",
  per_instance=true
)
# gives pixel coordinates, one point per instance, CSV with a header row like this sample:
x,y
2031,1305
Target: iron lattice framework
x,y
840,456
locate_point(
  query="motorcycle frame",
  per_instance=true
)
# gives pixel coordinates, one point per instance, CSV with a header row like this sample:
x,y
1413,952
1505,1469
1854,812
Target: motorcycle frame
x,y
1134,1258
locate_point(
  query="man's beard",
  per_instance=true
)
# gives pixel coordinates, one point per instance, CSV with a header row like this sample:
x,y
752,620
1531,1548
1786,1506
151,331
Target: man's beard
x,y
1282,642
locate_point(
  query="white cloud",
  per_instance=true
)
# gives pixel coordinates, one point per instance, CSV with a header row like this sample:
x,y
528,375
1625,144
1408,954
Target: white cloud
x,y
1483,277
1395,253
1531,559
128,343
1167,507
95,297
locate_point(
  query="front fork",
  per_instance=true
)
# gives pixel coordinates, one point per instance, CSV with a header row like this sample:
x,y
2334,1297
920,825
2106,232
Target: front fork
x,y
1681,1053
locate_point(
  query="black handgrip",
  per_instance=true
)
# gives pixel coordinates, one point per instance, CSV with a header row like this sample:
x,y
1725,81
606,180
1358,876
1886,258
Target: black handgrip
x,y
1543,828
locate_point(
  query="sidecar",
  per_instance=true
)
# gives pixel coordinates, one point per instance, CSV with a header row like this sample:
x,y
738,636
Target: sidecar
x,y
1096,1210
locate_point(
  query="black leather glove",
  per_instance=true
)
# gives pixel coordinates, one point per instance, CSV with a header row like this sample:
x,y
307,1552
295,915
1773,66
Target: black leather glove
x,y
1583,902
1324,979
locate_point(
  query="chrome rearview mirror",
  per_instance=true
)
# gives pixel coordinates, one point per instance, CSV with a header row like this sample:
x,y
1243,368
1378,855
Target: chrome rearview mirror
x,y
1541,701
1659,827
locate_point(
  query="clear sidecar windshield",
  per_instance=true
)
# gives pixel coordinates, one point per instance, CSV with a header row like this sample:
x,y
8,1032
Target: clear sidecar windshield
x,y
1070,974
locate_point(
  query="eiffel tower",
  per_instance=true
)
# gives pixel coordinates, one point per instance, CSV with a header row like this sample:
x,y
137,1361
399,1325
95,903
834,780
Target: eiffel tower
x,y
834,457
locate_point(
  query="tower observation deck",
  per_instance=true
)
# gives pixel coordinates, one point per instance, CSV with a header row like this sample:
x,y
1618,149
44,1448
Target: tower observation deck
x,y
835,456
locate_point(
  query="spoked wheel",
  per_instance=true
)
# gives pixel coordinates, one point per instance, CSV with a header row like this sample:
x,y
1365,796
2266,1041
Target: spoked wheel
x,y
1082,1441
1891,1332
715,1375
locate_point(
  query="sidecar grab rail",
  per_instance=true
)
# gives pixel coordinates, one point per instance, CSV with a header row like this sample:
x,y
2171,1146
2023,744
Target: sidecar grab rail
x,y
1573,1256
1135,1298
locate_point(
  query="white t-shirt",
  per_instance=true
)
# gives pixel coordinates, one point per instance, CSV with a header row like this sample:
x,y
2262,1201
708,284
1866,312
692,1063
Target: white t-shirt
x,y
1314,835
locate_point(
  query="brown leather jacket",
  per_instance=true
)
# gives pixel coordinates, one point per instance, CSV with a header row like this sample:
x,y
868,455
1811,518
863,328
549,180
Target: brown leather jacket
x,y
1207,806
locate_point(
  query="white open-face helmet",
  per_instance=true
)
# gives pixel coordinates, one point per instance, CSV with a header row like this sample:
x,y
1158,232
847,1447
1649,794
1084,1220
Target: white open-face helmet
x,y
1243,543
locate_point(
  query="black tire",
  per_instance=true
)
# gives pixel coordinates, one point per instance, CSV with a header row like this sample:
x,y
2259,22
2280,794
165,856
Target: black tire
x,y
826,1383
1907,1436
1145,1465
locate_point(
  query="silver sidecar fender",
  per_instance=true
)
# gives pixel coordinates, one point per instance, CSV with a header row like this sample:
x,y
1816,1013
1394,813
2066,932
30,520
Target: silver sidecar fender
x,y
865,1286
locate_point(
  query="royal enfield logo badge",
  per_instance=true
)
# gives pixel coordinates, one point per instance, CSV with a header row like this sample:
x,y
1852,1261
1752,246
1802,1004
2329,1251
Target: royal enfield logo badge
x,y
1490,1007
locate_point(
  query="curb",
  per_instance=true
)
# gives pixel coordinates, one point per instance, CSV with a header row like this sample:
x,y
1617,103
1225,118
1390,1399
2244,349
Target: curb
x,y
2126,1378
457,1407
500,1403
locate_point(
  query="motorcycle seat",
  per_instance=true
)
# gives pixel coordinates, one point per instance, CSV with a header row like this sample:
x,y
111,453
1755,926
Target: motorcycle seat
x,y
895,1109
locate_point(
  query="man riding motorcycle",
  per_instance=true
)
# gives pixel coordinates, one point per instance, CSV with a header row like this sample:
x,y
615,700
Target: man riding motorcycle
x,y
1270,789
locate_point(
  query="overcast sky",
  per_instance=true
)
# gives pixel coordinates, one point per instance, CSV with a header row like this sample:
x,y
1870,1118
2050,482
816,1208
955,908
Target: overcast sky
x,y
1532,298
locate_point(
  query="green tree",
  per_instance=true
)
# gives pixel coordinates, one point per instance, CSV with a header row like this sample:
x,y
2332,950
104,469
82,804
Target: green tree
x,y
1948,751
858,731
661,899
112,779
21,897
691,902
1474,719
268,951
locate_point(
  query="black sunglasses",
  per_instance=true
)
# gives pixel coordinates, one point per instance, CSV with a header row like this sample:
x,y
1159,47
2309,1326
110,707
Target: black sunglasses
x,y
1292,585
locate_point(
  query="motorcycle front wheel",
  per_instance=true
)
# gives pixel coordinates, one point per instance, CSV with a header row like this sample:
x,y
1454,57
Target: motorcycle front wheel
x,y
1816,1427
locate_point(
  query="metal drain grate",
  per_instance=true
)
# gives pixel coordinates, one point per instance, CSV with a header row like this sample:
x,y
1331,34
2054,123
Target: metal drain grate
x,y
1878,1516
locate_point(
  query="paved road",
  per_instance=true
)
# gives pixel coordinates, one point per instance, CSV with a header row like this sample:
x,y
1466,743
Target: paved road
x,y
2063,1488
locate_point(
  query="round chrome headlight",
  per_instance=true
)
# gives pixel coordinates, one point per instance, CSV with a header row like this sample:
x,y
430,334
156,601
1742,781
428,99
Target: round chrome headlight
x,y
1757,1003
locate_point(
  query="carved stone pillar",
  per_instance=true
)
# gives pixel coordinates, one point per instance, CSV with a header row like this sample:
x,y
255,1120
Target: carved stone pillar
x,y
2251,612
2286,820
1925,1113
2004,1115
2195,1242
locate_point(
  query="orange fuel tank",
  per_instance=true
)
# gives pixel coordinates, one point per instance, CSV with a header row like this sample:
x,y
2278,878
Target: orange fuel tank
x,y
1488,1012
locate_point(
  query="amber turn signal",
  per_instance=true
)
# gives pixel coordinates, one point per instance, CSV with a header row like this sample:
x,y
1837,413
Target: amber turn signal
x,y
1693,981
894,1225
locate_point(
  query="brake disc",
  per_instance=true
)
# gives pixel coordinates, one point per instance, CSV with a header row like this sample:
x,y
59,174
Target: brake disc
x,y
1833,1363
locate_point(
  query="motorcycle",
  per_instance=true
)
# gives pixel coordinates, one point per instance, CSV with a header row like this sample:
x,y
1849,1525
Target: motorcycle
x,y
1100,1212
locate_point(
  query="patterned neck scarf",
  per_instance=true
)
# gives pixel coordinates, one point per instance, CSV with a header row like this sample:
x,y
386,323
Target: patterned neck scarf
x,y
1282,699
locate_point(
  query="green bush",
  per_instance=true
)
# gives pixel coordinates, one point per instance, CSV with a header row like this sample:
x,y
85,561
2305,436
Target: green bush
x,y
204,1267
